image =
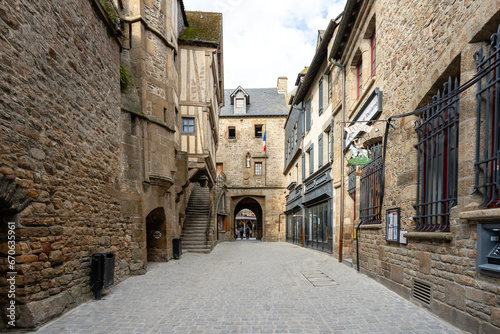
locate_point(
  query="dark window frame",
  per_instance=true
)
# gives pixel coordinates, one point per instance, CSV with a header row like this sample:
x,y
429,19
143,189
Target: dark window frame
x,y
320,99
229,130
258,133
187,126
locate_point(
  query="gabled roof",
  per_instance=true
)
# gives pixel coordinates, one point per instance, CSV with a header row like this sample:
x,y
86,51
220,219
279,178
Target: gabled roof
x,y
319,57
265,102
204,28
239,89
301,75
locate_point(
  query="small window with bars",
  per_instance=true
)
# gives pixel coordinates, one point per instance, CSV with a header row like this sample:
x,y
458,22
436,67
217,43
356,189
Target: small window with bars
x,y
437,180
487,165
258,168
370,187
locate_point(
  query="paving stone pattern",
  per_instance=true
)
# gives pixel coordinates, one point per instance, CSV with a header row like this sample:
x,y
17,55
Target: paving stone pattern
x,y
249,287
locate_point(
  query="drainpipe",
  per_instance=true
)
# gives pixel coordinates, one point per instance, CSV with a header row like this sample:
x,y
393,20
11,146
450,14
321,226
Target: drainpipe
x,y
342,183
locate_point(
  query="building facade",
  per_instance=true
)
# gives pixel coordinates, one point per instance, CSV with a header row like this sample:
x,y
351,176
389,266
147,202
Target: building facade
x,y
422,211
91,155
311,197
251,120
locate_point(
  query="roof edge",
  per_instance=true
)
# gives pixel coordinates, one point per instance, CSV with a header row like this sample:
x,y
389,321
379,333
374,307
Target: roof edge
x,y
318,58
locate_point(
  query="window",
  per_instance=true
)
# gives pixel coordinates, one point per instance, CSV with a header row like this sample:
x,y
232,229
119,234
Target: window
x,y
369,187
133,121
373,54
231,132
295,136
308,115
303,166
487,177
437,129
359,80
258,168
330,85
320,96
320,151
258,131
311,160
240,103
165,115
188,125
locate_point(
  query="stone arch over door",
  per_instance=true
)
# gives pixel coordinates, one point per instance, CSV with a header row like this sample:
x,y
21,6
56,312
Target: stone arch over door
x,y
254,206
156,235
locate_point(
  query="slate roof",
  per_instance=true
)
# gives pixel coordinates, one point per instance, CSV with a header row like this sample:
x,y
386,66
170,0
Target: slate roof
x,y
263,102
203,27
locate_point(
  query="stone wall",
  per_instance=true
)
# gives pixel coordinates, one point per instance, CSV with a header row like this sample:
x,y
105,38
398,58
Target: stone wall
x,y
419,46
59,146
269,188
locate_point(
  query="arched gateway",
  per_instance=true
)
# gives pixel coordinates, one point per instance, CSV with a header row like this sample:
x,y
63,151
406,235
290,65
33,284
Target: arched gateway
x,y
254,206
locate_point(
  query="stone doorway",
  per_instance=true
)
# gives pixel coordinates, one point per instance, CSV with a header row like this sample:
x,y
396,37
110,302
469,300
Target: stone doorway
x,y
254,218
156,235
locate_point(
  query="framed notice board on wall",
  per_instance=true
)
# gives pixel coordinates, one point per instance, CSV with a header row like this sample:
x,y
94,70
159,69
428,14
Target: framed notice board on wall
x,y
392,225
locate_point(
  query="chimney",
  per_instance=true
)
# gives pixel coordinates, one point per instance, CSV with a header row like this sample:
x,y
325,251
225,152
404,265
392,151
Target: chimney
x,y
282,85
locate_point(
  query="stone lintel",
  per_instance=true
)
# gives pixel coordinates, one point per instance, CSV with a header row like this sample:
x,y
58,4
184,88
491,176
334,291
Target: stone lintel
x,y
370,227
485,216
429,235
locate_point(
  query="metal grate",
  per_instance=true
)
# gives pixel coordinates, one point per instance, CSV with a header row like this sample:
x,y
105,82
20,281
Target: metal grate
x,y
422,292
369,184
351,188
487,172
437,129
318,279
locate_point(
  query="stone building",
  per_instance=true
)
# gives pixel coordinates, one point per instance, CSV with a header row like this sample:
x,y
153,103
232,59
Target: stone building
x,y
149,147
309,143
91,156
423,210
253,175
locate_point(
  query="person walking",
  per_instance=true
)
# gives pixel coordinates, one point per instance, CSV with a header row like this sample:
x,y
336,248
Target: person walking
x,y
247,232
241,232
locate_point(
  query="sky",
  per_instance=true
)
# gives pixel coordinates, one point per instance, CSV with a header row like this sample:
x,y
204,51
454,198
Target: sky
x,y
266,39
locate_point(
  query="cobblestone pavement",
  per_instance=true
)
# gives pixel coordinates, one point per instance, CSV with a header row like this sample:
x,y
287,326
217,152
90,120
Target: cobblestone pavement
x,y
250,287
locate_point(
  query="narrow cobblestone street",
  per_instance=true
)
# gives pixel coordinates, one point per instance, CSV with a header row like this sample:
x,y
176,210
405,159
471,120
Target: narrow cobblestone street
x,y
250,287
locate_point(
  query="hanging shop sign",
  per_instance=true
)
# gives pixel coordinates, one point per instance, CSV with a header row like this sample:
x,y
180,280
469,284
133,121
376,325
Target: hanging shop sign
x,y
359,154
368,112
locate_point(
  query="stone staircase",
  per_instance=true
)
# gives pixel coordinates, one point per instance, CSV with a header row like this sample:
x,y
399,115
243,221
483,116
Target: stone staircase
x,y
194,232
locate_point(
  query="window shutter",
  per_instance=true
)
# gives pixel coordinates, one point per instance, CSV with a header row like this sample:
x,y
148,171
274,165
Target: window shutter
x,y
320,150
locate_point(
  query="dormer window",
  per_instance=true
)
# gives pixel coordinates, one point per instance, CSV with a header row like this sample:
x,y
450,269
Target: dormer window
x,y
239,103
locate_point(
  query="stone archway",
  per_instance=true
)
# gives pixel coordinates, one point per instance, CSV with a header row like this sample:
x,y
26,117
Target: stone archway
x,y
156,235
254,206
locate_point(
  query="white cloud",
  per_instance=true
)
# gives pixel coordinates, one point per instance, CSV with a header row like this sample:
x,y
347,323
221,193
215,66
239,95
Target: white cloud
x,y
265,39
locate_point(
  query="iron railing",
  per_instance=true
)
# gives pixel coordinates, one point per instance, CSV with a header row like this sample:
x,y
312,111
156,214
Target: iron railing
x,y
369,187
351,175
437,129
487,165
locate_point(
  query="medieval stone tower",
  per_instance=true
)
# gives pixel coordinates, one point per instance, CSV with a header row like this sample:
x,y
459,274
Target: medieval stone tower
x,y
250,154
